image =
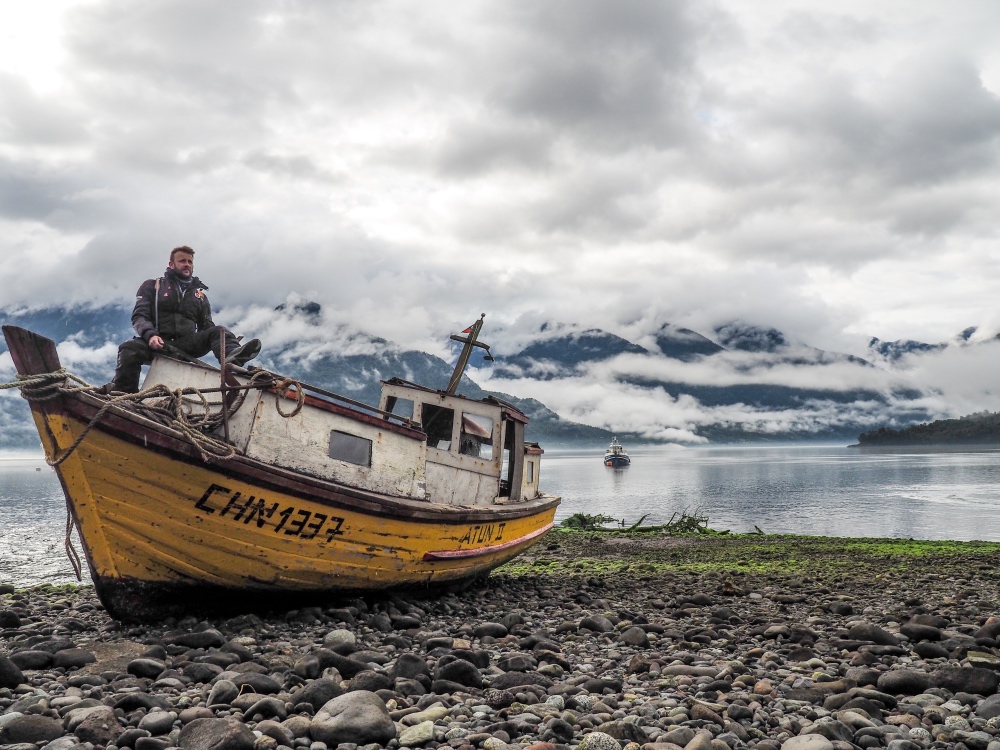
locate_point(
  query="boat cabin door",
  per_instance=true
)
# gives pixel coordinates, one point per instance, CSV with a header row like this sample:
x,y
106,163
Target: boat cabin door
x,y
513,460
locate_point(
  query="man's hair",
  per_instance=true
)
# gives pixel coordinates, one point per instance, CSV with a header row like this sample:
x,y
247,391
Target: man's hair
x,y
181,249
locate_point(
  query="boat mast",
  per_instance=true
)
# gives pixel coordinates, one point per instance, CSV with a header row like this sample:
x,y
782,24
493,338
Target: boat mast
x,y
463,359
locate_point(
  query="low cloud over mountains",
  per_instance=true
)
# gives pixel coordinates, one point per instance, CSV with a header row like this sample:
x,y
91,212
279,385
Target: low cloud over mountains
x,y
737,382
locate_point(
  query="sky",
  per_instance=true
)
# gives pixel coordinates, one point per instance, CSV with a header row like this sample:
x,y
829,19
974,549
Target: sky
x,y
830,170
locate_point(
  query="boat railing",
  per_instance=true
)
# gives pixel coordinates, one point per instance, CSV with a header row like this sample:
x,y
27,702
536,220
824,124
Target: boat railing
x,y
328,396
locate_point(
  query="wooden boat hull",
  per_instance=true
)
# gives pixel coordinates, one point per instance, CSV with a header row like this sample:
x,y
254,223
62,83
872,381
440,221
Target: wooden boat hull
x,y
166,532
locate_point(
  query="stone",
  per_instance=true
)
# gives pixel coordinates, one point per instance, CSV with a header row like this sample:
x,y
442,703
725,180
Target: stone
x,y
460,671
359,717
416,735
158,722
370,681
279,732
490,629
807,742
258,683
318,693
32,659
409,666
148,668
204,639
73,658
599,741
10,674
340,641
30,728
597,623
866,631
966,680
216,734
99,726
223,692
634,636
903,682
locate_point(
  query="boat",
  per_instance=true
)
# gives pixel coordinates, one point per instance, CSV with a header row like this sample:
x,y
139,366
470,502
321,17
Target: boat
x,y
229,488
616,455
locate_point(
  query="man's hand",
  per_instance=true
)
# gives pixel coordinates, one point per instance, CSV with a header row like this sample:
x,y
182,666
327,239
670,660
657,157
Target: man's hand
x,y
155,342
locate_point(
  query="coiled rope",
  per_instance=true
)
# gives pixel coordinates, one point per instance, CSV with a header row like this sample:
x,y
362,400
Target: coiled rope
x,y
158,403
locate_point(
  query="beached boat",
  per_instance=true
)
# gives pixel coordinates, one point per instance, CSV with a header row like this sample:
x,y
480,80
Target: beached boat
x,y
234,487
616,455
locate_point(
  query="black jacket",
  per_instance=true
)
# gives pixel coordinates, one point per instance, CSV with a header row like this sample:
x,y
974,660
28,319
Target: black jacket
x,y
170,313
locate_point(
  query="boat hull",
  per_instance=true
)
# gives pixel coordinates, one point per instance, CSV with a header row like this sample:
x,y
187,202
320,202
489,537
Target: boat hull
x,y
617,461
163,532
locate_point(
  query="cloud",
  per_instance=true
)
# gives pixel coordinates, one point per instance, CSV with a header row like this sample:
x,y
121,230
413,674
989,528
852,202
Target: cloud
x,y
827,171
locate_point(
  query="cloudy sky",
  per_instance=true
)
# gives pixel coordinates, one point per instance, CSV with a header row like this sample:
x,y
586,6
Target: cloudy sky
x,y
828,169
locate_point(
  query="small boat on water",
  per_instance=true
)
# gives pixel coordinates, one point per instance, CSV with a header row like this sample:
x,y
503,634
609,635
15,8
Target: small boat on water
x,y
616,455
228,488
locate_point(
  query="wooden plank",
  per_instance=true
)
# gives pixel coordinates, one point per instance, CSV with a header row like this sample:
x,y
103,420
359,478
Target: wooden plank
x,y
32,354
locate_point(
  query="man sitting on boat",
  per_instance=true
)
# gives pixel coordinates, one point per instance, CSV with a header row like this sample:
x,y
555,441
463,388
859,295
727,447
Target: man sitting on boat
x,y
172,313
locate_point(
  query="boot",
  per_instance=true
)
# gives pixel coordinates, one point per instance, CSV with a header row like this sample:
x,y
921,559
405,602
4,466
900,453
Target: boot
x,y
244,353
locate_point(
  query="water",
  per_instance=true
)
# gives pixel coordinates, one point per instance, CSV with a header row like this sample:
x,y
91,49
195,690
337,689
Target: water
x,y
826,491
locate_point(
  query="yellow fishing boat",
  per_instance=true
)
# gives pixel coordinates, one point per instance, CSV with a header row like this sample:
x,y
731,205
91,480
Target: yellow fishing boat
x,y
214,488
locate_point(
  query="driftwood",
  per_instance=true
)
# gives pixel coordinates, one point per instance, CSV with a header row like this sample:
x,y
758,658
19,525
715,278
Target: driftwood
x,y
680,524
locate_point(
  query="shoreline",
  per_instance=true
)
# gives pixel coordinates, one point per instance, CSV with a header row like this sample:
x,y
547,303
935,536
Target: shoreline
x,y
711,642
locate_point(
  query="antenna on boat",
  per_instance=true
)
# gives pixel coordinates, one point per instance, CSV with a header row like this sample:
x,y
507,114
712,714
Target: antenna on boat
x,y
463,359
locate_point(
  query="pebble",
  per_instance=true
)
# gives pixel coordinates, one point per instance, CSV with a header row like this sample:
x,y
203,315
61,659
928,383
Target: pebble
x,y
589,662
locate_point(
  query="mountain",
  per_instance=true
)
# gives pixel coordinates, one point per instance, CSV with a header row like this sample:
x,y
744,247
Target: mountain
x,y
684,344
893,351
558,356
352,366
743,337
982,428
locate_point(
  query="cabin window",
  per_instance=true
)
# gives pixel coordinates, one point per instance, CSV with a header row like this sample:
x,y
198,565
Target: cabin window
x,y
531,472
401,407
437,422
350,448
477,436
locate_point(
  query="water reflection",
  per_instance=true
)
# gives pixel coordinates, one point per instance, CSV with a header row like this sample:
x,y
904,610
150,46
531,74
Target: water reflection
x,y
826,490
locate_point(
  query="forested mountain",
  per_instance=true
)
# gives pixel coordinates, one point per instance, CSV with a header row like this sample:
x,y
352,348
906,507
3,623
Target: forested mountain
x,y
982,428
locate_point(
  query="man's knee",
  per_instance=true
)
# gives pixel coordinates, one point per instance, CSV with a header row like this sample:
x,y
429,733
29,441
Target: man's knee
x,y
135,350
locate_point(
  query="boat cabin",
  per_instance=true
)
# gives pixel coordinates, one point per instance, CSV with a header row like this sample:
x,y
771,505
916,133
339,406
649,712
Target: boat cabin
x,y
475,449
420,443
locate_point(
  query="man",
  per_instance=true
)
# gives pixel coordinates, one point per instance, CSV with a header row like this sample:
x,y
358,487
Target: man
x,y
173,313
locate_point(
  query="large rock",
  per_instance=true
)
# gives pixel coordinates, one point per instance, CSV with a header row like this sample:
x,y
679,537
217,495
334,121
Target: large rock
x,y
341,641
462,672
966,680
358,717
30,728
318,693
597,623
73,658
10,674
32,659
216,734
903,682
866,631
409,666
99,727
204,639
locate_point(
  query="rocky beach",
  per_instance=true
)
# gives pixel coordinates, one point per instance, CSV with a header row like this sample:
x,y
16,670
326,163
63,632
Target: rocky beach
x,y
589,641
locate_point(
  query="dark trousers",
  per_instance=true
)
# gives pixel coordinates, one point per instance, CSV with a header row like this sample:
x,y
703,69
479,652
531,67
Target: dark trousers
x,y
132,355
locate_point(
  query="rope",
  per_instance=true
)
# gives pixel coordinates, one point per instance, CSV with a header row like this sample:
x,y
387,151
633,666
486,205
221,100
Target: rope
x,y
71,553
164,406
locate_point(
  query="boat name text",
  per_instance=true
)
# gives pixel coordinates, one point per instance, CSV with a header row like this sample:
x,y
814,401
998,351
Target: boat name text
x,y
290,520
490,532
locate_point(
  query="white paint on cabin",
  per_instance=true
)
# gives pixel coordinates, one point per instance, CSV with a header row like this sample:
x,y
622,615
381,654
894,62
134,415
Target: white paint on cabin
x,y
468,462
302,443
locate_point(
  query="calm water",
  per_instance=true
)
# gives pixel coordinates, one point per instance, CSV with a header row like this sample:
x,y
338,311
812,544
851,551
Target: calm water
x,y
832,491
